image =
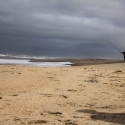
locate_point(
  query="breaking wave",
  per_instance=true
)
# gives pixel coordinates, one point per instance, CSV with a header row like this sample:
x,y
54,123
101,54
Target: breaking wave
x,y
27,63
10,56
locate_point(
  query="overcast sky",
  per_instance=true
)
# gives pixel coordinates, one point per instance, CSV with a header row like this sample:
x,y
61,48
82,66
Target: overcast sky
x,y
72,28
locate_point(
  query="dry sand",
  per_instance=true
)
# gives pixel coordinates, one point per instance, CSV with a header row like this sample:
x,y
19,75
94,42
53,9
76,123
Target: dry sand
x,y
83,95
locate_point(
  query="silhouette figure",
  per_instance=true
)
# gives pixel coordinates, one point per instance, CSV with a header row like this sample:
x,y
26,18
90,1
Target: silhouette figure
x,y
123,54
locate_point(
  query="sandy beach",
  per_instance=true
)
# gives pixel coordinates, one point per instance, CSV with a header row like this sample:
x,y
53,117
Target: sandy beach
x,y
77,95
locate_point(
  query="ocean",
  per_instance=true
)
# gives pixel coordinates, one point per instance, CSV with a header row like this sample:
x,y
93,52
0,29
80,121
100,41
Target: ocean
x,y
25,60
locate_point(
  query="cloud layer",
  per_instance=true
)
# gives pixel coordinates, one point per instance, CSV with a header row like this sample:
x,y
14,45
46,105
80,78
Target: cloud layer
x,y
60,26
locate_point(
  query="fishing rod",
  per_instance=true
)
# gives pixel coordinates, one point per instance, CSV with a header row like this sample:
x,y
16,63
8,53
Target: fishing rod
x,y
118,50
114,46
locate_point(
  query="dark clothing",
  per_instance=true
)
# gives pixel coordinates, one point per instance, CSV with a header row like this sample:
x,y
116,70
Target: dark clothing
x,y
123,54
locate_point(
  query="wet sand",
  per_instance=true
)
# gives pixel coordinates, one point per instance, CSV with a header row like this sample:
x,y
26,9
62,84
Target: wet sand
x,y
79,95
79,61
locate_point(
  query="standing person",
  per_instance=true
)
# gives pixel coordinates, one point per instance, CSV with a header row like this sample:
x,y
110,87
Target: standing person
x,y
123,54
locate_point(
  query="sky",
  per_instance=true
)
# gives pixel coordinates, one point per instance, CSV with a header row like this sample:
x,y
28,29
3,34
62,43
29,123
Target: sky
x,y
63,28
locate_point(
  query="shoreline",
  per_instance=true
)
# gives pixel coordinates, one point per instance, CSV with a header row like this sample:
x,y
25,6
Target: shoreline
x,y
73,61
80,61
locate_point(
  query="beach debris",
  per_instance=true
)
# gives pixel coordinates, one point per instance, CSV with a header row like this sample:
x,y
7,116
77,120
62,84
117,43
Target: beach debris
x,y
0,97
37,121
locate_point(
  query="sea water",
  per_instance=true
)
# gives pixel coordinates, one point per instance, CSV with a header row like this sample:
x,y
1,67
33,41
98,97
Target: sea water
x,y
27,63
10,56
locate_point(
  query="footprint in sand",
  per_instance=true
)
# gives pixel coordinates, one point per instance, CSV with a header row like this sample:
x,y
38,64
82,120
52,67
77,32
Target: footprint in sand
x,y
70,123
15,95
118,72
77,117
47,95
71,90
37,121
64,96
55,113
16,119
93,81
121,85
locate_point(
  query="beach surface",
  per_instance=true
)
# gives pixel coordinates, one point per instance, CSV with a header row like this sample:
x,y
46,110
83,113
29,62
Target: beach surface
x,y
76,95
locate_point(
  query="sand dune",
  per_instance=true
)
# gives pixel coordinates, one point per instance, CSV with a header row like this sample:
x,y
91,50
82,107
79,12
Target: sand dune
x,y
83,95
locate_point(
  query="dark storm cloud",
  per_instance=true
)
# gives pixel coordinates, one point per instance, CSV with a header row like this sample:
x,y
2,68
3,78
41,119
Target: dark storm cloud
x,y
64,24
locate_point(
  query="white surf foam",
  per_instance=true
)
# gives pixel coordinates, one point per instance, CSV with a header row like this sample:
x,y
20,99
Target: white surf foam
x,y
26,62
23,56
